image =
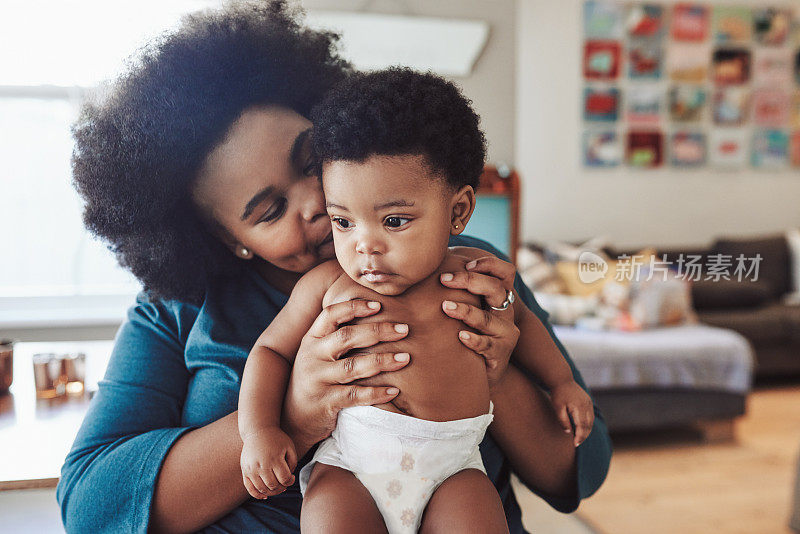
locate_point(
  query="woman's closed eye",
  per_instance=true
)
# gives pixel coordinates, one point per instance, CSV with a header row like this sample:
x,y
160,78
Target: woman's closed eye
x,y
395,222
275,210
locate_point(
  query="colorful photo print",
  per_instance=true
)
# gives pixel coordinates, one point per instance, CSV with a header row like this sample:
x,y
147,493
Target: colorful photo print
x,y
643,103
770,149
728,148
771,108
644,149
794,149
772,66
601,60
688,62
732,24
794,112
772,26
601,149
602,19
645,20
688,149
686,103
730,106
731,66
601,105
690,22
644,61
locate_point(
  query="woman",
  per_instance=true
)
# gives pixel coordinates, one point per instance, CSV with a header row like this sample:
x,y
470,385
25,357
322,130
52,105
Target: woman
x,y
195,169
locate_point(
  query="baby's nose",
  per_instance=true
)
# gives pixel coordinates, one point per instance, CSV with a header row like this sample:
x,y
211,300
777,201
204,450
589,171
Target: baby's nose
x,y
369,245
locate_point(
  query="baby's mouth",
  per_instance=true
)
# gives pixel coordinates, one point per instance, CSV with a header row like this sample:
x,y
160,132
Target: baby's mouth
x,y
375,276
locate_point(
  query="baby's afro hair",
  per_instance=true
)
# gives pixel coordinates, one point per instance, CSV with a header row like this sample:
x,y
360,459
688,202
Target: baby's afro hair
x,y
396,112
138,152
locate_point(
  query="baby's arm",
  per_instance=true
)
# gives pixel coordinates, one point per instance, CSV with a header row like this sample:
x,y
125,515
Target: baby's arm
x,y
537,352
268,455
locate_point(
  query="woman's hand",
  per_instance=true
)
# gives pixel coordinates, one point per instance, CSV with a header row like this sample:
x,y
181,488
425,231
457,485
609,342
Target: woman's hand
x,y
491,278
321,383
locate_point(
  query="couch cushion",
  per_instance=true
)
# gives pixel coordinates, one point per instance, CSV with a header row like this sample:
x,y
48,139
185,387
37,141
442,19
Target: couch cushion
x,y
710,294
764,325
774,250
793,323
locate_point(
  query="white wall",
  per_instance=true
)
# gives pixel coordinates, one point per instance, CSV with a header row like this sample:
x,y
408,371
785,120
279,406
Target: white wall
x,y
491,85
563,200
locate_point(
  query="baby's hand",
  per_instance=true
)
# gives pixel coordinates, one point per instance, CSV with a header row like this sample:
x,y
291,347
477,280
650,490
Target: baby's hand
x,y
268,459
569,399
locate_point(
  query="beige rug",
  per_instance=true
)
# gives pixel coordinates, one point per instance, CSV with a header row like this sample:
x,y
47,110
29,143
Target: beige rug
x,y
538,517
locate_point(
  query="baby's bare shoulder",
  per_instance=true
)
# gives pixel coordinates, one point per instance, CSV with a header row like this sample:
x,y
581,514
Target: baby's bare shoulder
x,y
342,288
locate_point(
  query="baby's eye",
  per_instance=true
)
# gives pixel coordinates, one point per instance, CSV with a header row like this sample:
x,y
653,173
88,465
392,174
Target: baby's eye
x,y
396,222
341,223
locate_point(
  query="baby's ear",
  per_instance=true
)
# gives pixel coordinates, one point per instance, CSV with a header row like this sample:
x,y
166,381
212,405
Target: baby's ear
x,y
462,206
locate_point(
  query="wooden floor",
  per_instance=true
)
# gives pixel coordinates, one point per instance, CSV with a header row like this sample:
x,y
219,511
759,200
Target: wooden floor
x,y
675,483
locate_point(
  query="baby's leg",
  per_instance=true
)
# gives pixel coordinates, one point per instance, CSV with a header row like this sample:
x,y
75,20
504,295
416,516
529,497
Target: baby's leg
x,y
335,501
465,502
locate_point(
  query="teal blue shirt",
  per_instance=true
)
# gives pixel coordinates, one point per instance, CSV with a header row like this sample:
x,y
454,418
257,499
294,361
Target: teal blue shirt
x,y
176,367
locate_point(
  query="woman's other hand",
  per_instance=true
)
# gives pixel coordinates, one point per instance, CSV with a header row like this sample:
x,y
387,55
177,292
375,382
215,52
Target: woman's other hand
x,y
491,278
321,383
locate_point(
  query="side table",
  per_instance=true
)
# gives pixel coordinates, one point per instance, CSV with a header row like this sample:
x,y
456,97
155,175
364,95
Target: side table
x,y
36,434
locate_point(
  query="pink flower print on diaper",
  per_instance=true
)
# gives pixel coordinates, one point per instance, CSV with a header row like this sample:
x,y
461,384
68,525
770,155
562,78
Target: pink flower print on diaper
x,y
394,488
407,518
407,463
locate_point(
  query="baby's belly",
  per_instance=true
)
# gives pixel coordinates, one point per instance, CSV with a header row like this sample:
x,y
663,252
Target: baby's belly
x,y
443,381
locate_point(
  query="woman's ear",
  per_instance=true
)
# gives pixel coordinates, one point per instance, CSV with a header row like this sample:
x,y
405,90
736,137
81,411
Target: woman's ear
x,y
222,233
462,206
243,252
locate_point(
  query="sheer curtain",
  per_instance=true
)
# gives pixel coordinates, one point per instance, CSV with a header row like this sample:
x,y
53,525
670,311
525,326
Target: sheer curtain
x,y
52,272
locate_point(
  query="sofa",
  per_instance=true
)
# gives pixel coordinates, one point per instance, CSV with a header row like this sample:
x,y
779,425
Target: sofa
x,y
757,312
757,309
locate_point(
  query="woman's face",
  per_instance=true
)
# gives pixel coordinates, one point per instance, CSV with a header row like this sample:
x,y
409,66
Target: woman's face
x,y
257,188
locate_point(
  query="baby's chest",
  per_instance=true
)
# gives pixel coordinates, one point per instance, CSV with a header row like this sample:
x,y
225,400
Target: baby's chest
x,y
431,332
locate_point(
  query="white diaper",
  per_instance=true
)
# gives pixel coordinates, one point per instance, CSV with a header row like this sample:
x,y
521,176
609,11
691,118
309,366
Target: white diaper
x,y
400,459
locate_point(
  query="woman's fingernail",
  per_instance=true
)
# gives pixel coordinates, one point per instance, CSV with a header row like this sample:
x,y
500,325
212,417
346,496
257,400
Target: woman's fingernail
x,y
373,305
401,328
402,357
392,391
449,305
463,335
472,264
447,277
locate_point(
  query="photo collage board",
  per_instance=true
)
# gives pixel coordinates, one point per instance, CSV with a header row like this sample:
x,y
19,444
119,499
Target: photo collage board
x,y
690,85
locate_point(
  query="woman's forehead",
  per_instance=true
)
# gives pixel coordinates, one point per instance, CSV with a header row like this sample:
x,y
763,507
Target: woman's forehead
x,y
255,154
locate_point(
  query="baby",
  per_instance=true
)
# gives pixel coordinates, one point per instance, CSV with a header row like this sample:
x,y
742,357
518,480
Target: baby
x,y
400,155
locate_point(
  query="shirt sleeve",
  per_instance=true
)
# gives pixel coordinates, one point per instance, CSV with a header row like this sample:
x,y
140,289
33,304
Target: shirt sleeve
x,y
593,456
108,478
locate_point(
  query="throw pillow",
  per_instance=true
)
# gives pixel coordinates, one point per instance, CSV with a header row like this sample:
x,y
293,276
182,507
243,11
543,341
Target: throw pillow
x,y
774,265
537,273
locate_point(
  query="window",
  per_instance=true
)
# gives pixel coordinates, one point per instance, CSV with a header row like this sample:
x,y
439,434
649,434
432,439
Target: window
x,y
52,272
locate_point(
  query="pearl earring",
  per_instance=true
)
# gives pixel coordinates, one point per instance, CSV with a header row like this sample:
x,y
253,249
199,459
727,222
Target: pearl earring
x,y
245,253
456,227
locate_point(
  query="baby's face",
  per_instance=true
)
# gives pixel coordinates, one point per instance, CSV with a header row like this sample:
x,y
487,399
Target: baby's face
x,y
391,220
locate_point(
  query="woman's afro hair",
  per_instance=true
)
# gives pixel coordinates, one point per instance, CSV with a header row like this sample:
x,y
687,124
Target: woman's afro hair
x,y
399,111
138,150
